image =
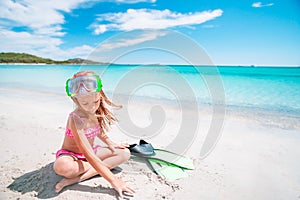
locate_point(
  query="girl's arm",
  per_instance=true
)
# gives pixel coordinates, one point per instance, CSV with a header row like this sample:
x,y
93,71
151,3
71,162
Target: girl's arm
x,y
83,143
111,145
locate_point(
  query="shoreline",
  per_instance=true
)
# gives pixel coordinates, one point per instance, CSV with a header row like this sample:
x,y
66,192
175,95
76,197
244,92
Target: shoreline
x,y
266,117
159,65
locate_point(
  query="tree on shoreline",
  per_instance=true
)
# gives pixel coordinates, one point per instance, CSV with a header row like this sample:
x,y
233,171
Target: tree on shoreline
x,y
11,57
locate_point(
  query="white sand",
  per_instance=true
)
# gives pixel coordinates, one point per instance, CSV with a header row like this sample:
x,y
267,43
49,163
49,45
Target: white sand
x,y
250,161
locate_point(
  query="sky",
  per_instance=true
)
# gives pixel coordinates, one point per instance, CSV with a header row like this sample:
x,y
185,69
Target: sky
x,y
230,32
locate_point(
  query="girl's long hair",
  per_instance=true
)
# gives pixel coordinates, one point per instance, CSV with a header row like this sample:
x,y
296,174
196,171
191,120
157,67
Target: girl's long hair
x,y
104,115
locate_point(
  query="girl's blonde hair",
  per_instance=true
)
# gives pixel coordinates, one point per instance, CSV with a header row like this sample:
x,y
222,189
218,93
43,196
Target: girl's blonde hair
x,y
105,117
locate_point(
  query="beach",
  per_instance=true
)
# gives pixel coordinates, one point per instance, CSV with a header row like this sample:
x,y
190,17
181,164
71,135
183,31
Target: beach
x,y
255,156
250,161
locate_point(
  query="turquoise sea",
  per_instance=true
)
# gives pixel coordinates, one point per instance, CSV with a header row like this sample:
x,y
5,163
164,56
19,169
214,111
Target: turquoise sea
x,y
246,89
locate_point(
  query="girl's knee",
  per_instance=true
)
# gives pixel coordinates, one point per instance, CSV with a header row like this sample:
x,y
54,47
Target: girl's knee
x,y
125,154
64,167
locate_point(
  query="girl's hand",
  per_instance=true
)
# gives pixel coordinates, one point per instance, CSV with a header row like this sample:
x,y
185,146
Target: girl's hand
x,y
121,146
120,186
112,146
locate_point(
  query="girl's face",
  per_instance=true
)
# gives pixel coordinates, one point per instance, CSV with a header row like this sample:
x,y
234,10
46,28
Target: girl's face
x,y
90,103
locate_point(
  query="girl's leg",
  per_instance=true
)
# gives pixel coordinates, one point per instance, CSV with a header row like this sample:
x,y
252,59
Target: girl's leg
x,y
105,154
113,159
69,166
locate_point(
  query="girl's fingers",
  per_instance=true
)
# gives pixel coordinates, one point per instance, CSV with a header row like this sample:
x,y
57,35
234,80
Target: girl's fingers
x,y
112,148
125,145
130,190
122,146
120,193
125,190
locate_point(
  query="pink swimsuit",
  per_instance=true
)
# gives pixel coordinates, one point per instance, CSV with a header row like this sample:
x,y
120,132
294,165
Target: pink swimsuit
x,y
90,133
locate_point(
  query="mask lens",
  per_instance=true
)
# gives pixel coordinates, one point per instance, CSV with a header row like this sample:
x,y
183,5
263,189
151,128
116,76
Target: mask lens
x,y
74,86
83,84
90,83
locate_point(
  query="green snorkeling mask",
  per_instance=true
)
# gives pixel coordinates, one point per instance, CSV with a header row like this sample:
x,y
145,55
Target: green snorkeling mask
x,y
83,85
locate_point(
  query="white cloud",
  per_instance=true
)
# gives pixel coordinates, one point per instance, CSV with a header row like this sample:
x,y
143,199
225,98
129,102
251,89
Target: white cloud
x,y
134,1
259,5
120,1
76,52
24,41
151,19
41,23
37,26
41,17
147,36
40,45
208,26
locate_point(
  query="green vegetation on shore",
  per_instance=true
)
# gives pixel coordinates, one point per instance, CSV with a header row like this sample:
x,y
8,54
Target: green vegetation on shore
x,y
11,57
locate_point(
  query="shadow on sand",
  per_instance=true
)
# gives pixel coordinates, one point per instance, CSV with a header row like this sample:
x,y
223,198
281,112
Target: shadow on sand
x,y
43,182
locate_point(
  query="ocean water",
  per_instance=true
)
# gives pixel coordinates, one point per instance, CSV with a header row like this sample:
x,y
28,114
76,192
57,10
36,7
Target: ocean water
x,y
263,89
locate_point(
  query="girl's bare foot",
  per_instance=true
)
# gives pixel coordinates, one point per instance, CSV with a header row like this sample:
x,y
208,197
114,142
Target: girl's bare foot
x,y
63,183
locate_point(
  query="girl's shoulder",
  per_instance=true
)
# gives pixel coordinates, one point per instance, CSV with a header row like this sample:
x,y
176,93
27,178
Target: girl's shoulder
x,y
78,120
76,115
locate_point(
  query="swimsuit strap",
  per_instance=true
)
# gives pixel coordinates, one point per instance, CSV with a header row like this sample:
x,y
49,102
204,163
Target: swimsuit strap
x,y
77,116
68,131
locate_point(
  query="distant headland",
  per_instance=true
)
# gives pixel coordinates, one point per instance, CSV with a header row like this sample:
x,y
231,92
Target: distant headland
x,y
11,57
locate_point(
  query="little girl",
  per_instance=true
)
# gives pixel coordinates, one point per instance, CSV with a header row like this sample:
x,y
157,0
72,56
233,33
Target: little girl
x,y
79,159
